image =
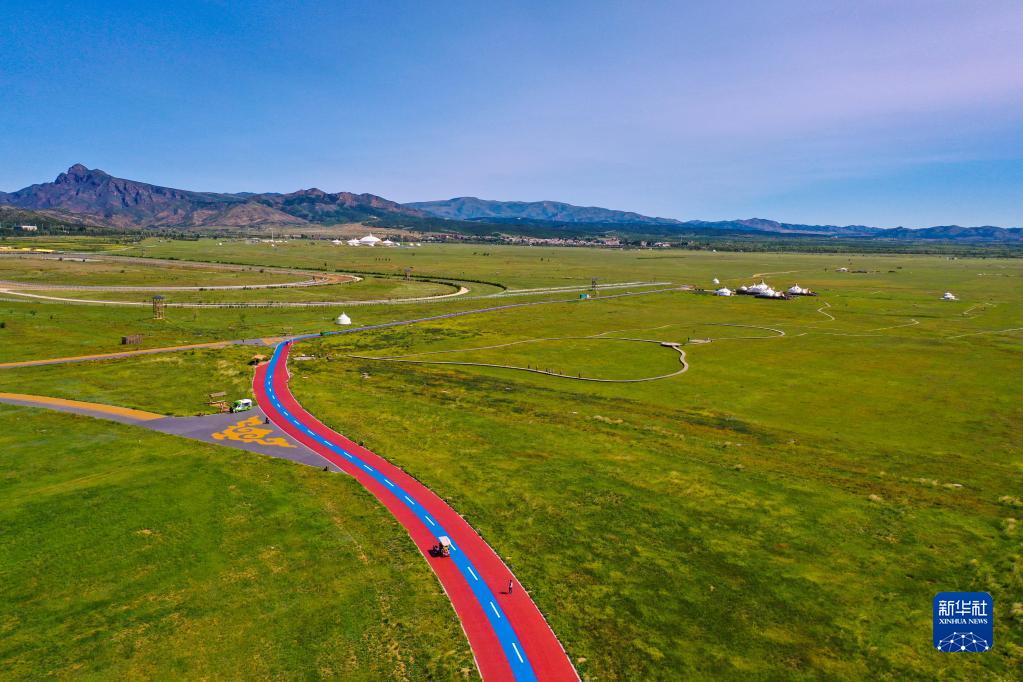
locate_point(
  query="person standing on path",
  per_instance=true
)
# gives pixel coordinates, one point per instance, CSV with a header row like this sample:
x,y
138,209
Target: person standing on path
x,y
511,585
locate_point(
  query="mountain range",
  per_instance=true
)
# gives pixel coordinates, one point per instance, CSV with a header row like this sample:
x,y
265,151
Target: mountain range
x,y
115,202
471,208
90,196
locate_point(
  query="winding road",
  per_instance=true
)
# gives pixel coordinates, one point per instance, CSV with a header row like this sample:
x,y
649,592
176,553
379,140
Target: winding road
x,y
509,637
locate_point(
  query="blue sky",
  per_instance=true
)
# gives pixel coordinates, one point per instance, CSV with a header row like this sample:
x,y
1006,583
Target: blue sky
x,y
870,112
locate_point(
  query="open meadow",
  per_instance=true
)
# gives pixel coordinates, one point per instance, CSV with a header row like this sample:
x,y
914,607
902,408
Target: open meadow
x,y
786,507
128,554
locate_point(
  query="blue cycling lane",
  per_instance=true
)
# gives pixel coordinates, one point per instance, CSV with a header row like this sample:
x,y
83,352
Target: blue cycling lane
x,y
514,651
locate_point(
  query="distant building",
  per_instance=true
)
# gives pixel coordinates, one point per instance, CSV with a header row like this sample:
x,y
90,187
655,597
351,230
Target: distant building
x,y
29,228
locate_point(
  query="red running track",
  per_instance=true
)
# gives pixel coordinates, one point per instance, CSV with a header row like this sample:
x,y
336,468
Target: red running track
x,y
542,656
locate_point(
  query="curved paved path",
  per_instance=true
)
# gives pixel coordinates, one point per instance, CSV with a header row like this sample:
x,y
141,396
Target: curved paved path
x,y
510,638
239,304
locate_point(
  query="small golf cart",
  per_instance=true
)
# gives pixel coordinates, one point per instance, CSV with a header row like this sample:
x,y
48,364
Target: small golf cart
x,y
442,548
243,405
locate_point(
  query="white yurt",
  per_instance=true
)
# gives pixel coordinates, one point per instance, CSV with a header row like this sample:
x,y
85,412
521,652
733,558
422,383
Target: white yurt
x,y
949,296
717,281
797,290
387,242
336,242
353,242
369,240
344,319
723,291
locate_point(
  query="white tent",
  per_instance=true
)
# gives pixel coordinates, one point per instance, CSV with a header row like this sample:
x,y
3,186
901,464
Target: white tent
x,y
717,281
369,240
761,288
723,291
797,290
344,319
336,242
354,242
387,242
949,296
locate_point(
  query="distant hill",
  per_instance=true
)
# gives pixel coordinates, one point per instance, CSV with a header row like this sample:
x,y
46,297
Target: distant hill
x,y
764,225
115,202
12,217
551,213
957,233
471,208
86,196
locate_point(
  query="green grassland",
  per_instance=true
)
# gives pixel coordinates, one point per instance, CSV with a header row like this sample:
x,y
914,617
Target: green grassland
x,y
40,329
171,383
127,554
786,508
607,358
106,272
528,267
791,503
69,243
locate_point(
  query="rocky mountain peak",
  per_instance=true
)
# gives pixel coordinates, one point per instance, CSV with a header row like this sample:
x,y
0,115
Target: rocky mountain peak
x,y
78,172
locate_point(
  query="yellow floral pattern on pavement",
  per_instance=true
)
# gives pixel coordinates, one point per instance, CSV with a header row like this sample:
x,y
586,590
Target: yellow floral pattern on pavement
x,y
249,431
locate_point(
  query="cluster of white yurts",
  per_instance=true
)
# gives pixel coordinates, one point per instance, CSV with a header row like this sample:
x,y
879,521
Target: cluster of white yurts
x,y
763,290
368,240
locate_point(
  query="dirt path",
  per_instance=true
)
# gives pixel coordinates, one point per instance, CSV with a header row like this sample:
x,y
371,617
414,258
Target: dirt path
x,y
986,331
666,344
124,415
313,277
319,280
821,310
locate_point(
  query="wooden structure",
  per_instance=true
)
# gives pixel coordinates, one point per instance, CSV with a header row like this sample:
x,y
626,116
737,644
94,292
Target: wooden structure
x,y
218,401
158,307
